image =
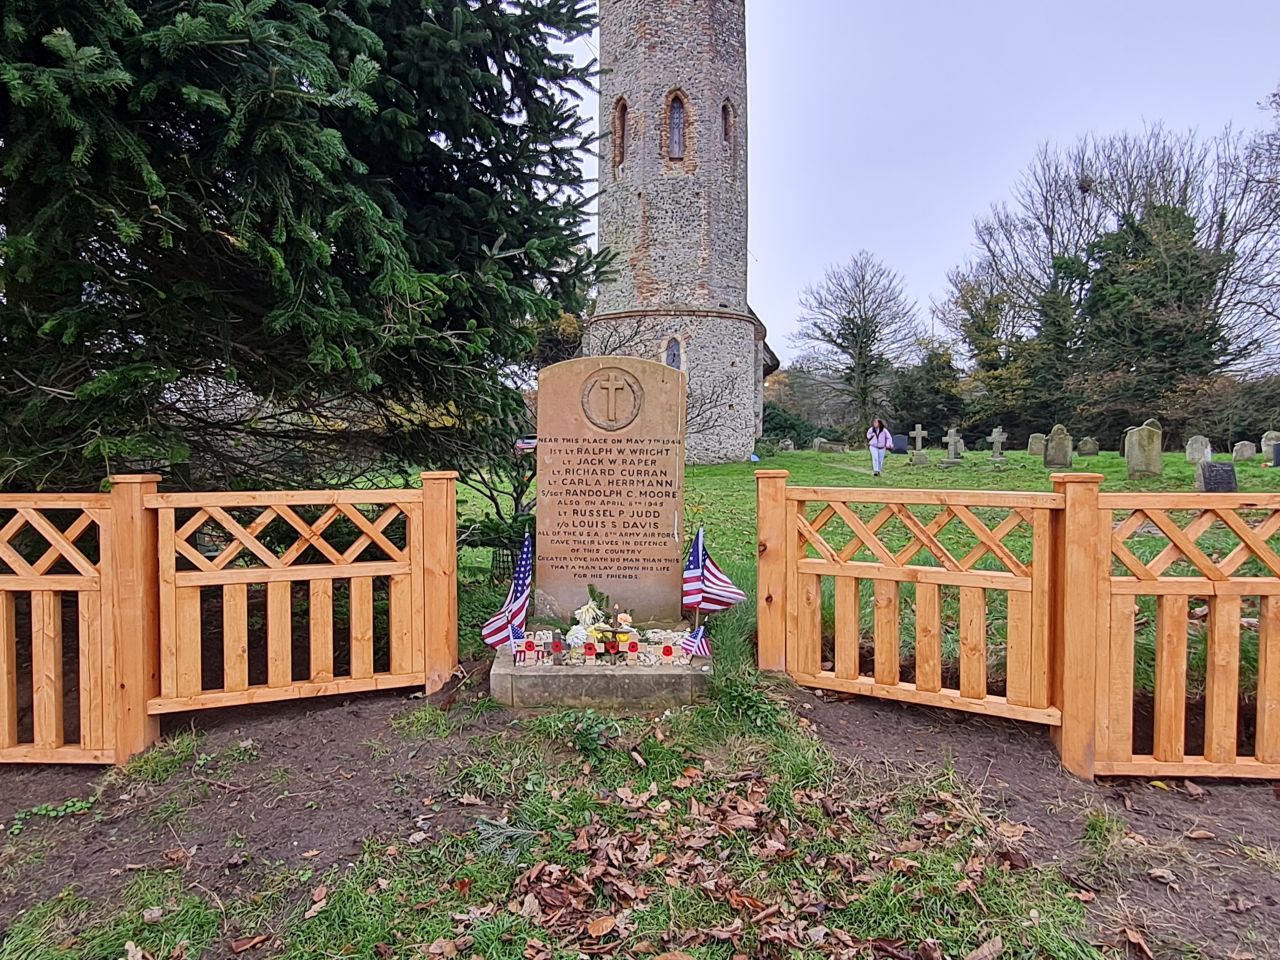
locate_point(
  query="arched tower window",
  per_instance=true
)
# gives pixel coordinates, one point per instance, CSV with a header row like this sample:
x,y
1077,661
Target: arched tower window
x,y
673,356
619,133
677,126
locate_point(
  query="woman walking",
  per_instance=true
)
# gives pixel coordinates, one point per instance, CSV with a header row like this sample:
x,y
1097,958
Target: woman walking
x,y
879,439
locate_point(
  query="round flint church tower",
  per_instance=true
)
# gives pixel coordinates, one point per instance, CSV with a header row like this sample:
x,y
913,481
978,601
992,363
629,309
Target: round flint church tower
x,y
673,210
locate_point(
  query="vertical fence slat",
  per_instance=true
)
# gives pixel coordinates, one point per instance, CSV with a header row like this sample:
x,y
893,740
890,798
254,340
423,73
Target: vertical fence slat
x,y
361,627
1041,613
168,604
419,626
1115,737
848,627
809,635
1170,723
772,532
794,550
928,637
400,597
46,667
187,642
8,671
89,616
1017,645
1268,738
279,634
888,633
321,615
1222,680
973,643
235,637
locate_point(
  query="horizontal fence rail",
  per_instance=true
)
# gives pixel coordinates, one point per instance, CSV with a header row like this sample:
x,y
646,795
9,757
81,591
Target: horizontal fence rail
x,y
115,608
1143,629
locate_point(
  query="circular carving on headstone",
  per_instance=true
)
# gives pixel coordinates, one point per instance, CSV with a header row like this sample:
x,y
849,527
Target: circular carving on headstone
x,y
612,398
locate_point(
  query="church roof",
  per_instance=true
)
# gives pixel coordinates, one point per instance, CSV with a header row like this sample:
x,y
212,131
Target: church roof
x,y
771,362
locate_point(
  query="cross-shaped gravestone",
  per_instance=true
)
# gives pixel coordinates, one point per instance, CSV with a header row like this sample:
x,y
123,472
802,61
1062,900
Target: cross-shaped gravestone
x,y
997,439
953,441
918,456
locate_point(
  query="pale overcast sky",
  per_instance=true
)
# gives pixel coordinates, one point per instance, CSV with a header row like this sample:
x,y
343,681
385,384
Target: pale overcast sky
x,y
888,125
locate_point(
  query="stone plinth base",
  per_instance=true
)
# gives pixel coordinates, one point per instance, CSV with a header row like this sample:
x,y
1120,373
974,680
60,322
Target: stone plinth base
x,y
601,687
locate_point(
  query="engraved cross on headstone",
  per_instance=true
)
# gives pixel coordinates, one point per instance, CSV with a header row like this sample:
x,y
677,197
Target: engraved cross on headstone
x,y
997,439
920,434
953,441
612,386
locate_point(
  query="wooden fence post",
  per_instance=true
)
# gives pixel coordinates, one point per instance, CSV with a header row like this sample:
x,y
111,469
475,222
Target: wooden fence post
x,y
1080,623
439,557
131,586
771,569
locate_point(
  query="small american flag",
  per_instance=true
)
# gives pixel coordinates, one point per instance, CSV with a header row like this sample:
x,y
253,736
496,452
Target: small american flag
x,y
706,587
695,644
507,625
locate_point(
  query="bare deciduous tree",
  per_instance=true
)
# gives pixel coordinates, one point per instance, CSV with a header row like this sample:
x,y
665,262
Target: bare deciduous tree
x,y
859,324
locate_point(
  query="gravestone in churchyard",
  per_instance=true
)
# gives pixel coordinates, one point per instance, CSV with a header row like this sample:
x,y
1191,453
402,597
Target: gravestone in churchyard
x,y
786,445
611,434
1142,450
1244,451
1057,449
1199,449
901,444
1088,447
1216,477
1035,445
919,457
827,446
997,439
1270,440
954,453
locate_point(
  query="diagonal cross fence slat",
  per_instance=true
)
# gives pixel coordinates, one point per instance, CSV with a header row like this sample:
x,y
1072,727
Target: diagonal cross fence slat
x,y
1142,629
116,608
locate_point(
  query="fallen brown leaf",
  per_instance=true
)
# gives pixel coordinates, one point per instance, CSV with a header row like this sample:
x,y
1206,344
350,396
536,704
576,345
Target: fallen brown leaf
x,y
1194,790
601,926
988,951
930,950
241,944
1138,942
1200,835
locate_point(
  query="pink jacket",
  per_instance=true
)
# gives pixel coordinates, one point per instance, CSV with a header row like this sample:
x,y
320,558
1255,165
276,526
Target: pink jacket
x,y
882,440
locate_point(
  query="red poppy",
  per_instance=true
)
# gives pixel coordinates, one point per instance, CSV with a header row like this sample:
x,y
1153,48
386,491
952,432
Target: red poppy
x,y
611,646
668,651
589,649
530,646
633,647
557,646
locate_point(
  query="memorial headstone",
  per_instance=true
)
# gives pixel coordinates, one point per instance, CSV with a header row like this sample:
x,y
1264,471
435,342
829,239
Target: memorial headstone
x,y
1035,445
953,441
901,444
1057,449
997,439
1142,450
1244,451
786,445
918,456
826,446
611,433
1216,477
1199,449
817,443
1270,440
1087,447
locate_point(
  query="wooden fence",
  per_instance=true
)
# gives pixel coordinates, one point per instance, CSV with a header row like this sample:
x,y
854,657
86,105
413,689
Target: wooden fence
x,y
116,608
1073,609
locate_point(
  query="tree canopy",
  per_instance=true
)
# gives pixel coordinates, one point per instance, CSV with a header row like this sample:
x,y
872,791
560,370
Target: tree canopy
x,y
276,240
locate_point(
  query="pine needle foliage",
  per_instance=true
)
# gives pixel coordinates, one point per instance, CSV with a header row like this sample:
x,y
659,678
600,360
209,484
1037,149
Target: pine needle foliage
x,y
279,241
